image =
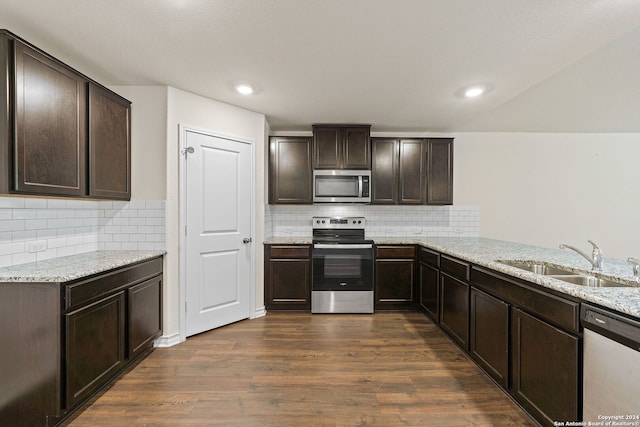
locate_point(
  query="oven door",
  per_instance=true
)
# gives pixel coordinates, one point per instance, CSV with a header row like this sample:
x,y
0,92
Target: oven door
x,y
342,267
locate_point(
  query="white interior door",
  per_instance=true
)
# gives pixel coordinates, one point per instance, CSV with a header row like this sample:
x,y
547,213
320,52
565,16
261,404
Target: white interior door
x,y
218,231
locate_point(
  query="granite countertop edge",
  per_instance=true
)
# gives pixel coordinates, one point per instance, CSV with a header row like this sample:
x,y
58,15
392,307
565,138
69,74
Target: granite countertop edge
x,y
73,267
486,252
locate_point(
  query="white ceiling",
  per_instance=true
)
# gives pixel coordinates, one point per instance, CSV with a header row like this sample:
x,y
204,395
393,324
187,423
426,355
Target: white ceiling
x,y
552,65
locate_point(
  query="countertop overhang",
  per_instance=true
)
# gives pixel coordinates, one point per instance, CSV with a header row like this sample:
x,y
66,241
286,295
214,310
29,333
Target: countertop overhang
x,y
485,252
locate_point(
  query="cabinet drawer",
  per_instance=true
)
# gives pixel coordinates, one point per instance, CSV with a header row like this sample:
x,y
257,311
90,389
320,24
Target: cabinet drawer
x,y
395,252
557,310
430,257
290,251
87,290
455,267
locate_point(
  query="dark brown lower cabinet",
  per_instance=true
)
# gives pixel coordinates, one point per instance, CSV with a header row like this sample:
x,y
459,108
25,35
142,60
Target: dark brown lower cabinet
x,y
454,309
95,346
145,315
489,335
395,278
64,341
545,369
288,277
429,287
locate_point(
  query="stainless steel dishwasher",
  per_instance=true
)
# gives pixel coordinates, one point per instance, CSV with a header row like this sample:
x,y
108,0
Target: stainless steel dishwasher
x,y
611,389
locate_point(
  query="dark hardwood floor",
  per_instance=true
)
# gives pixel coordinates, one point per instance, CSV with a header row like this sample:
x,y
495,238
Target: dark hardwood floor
x,y
386,369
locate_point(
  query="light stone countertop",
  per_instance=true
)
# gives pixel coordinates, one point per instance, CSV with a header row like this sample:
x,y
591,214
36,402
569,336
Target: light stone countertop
x,y
72,267
485,252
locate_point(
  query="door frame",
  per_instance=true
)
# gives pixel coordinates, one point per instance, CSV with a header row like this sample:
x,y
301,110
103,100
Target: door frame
x,y
183,129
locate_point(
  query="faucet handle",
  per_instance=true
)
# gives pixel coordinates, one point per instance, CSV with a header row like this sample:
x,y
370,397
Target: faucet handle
x,y
596,248
636,267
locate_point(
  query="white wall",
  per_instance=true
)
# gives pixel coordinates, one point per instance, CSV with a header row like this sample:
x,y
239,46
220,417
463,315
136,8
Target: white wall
x,y
546,189
204,113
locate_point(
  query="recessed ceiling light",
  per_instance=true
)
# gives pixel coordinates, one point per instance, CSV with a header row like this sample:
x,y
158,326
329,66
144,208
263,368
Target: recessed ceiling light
x,y
244,89
472,92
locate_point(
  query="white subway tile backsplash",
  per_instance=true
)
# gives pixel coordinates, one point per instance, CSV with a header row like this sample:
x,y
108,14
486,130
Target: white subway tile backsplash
x,y
382,221
76,226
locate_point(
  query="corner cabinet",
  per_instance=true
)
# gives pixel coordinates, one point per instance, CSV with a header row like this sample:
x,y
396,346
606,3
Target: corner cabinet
x,y
290,174
429,262
61,134
66,341
341,147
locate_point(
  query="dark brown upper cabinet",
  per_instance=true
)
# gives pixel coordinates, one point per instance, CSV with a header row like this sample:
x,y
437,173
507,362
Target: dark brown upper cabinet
x,y
61,134
439,171
290,173
50,102
341,147
109,144
412,171
398,171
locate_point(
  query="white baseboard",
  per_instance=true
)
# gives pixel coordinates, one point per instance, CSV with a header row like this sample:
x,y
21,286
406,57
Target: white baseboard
x,y
168,340
260,312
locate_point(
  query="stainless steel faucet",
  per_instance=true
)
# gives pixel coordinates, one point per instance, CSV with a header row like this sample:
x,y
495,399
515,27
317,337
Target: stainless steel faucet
x,y
596,256
636,268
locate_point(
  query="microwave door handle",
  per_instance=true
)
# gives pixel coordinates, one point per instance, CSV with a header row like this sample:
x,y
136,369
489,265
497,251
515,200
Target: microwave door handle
x,y
360,185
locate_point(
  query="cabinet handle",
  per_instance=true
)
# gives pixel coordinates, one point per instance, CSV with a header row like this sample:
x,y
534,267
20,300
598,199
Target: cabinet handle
x,y
247,240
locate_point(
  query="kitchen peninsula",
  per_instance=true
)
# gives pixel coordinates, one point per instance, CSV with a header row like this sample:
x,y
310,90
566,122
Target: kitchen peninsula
x,y
522,328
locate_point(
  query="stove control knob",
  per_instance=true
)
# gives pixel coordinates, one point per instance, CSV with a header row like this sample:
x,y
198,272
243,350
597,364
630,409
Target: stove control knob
x,y
317,221
359,222
354,221
323,221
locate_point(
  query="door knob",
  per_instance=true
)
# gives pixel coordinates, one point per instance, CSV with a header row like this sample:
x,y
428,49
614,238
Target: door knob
x,y
246,240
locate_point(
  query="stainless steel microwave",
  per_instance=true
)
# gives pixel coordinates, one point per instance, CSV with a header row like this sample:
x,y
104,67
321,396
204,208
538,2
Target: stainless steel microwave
x,y
341,186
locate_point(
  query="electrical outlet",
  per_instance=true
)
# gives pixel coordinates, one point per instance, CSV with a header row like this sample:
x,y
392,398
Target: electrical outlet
x,y
36,246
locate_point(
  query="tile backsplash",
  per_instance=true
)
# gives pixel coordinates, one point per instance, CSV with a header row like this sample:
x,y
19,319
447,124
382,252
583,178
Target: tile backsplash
x,y
35,229
382,221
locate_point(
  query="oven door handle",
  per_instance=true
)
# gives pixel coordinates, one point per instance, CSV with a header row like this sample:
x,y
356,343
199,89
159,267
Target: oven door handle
x,y
342,246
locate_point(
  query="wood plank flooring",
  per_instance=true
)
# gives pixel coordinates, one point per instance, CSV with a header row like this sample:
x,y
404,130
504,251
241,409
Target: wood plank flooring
x,y
286,369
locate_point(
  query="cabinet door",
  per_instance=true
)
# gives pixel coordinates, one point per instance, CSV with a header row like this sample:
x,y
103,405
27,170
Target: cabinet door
x,y
357,148
327,147
439,171
429,288
50,126
290,174
145,315
384,173
411,172
544,363
288,284
489,335
109,144
95,347
394,284
454,309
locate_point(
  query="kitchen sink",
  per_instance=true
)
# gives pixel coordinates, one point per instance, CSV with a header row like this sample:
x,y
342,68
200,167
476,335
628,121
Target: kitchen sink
x,y
539,267
565,274
591,281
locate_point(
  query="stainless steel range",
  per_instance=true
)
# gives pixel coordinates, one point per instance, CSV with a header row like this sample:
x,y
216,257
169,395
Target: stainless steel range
x,y
342,266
